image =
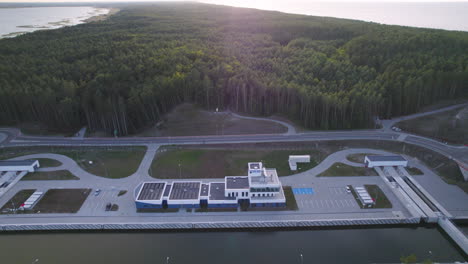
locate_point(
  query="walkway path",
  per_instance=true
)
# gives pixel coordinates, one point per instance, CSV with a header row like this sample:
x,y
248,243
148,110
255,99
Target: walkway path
x,y
389,123
3,136
291,129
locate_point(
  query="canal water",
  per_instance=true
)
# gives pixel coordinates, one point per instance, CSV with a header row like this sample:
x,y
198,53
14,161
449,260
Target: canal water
x,y
374,245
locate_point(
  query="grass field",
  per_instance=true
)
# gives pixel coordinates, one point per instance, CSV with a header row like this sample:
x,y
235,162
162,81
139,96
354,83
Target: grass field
x,y
341,169
218,163
109,162
16,201
381,201
49,175
62,201
190,120
414,171
358,158
450,126
46,163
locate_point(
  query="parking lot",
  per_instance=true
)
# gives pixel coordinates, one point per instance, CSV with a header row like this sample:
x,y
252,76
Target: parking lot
x,y
96,204
326,198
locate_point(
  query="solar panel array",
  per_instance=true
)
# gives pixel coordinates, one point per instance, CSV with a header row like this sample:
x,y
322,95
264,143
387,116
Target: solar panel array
x,y
204,190
185,191
151,191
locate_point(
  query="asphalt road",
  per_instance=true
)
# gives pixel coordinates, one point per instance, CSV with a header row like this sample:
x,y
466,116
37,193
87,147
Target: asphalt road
x,y
458,153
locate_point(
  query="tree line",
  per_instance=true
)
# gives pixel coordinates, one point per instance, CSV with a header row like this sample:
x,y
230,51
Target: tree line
x,y
126,72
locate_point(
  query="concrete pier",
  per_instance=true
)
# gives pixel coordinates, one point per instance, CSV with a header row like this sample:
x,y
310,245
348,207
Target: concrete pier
x,y
210,225
454,233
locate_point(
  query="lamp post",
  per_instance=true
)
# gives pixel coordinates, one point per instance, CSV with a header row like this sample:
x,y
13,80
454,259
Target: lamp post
x,y
180,172
302,259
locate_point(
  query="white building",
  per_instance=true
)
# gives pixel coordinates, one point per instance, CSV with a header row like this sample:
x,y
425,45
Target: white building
x,y
294,159
260,188
19,165
385,161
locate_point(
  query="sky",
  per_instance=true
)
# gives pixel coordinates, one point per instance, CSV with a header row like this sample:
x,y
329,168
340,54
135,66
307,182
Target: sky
x,y
246,3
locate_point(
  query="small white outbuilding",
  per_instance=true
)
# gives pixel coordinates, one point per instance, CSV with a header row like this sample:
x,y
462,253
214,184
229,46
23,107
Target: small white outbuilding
x,y
19,165
294,159
385,161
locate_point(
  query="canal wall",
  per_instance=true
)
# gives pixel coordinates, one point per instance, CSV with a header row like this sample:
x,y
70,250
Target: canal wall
x,y
209,225
454,233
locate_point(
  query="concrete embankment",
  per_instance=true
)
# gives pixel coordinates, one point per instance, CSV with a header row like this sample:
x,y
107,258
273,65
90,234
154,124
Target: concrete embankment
x,y
210,225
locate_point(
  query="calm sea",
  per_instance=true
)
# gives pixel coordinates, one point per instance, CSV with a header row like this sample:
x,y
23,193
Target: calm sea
x,y
15,21
450,16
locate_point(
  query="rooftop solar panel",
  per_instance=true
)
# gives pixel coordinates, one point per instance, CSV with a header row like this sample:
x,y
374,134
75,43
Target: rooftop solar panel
x,y
205,190
151,191
185,191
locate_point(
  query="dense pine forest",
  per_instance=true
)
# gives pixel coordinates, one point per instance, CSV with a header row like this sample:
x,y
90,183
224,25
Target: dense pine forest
x,y
125,72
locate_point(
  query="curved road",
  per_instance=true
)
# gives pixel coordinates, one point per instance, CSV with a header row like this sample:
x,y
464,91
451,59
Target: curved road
x,y
458,153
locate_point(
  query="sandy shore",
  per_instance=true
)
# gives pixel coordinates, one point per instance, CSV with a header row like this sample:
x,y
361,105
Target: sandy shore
x,y
112,11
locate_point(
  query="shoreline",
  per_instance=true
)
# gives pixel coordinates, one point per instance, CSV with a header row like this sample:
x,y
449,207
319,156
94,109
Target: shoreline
x,y
112,11
59,24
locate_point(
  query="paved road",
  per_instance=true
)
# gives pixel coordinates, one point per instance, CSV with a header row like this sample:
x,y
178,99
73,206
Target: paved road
x,y
291,129
389,123
459,153
329,201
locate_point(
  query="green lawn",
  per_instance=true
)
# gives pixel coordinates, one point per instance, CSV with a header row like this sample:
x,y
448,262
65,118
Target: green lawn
x,y
218,163
341,169
46,163
62,201
109,162
381,201
450,126
49,175
358,158
414,171
16,201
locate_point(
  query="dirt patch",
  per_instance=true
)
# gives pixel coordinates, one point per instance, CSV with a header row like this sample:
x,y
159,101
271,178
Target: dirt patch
x,y
61,201
49,175
450,126
16,202
189,120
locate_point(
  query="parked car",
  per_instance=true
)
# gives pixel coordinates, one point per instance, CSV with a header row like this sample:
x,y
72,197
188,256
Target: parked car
x,y
108,206
97,192
348,190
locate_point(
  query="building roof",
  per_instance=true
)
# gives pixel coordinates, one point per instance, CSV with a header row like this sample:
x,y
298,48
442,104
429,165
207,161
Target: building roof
x,y
217,192
237,182
151,191
167,190
205,190
386,158
255,165
269,177
185,191
17,162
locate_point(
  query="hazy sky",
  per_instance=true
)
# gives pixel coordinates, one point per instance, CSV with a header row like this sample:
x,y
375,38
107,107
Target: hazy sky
x,y
258,3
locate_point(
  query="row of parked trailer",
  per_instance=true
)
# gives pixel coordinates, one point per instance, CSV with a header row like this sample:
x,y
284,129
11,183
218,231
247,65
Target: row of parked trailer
x,y
364,196
29,203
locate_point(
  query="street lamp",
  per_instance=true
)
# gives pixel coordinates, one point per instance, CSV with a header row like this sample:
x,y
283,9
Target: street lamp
x,y
180,172
302,259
